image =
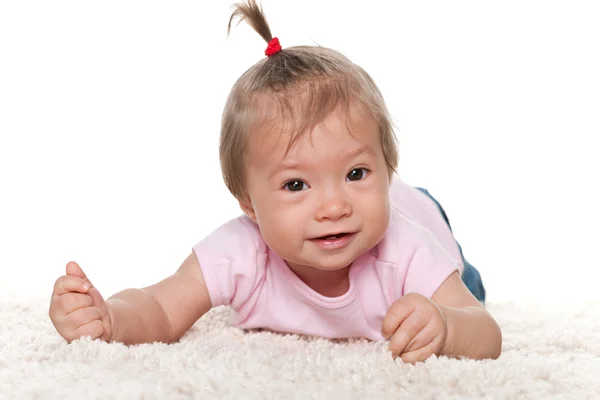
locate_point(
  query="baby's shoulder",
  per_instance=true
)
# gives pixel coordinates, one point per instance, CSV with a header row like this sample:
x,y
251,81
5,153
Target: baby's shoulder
x,y
418,261
403,238
238,235
233,261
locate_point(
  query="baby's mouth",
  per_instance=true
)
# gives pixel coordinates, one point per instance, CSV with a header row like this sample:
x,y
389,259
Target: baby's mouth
x,y
333,237
334,241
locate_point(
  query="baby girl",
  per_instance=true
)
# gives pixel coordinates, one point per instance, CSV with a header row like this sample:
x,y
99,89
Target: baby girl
x,y
331,242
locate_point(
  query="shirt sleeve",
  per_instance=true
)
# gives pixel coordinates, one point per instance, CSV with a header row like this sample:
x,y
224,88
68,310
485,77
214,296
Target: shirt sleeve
x,y
230,259
427,266
418,207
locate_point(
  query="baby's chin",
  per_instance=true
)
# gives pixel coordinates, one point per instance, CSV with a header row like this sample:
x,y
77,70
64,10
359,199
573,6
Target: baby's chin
x,y
330,268
327,264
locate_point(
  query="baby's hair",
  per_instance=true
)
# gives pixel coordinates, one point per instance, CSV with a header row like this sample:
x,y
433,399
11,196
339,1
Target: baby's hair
x,y
297,88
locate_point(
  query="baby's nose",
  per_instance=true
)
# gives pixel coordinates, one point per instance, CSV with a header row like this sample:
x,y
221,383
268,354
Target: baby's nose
x,y
334,208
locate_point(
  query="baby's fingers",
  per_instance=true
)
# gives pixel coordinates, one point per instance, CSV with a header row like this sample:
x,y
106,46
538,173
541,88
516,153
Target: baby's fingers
x,y
409,328
81,317
94,329
424,337
69,283
396,315
420,354
69,302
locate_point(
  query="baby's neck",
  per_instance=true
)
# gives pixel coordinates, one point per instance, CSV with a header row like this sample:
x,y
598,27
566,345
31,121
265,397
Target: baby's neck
x,y
326,283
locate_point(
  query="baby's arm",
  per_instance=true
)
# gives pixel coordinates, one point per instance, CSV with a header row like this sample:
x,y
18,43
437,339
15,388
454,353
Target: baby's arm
x,y
472,331
159,313
162,312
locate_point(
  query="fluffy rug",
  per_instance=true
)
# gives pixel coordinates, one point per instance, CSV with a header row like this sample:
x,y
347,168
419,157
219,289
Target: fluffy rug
x,y
548,352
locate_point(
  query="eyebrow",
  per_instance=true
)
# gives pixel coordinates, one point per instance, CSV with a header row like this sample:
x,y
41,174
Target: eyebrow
x,y
301,165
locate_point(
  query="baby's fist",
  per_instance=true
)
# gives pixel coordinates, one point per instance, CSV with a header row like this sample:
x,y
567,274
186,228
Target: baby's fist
x,y
416,328
77,308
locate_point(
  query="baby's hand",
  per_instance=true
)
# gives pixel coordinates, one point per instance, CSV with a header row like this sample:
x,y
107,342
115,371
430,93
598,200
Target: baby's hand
x,y
77,308
417,328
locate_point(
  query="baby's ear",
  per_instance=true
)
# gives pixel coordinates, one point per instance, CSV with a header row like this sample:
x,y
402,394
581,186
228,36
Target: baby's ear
x,y
246,206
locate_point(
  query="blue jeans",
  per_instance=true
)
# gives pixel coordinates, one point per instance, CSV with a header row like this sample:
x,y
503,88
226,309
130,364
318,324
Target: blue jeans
x,y
470,276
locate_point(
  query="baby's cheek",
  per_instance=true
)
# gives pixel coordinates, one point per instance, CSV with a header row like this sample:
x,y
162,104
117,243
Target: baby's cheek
x,y
278,229
379,214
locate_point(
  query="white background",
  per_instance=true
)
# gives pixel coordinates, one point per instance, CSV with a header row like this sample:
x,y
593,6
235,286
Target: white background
x,y
110,113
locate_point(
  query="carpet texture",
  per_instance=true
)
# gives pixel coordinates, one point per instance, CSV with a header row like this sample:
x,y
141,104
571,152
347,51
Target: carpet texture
x,y
548,352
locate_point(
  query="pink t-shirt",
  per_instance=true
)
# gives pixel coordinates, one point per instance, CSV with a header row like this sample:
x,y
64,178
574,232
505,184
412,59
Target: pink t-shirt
x,y
416,254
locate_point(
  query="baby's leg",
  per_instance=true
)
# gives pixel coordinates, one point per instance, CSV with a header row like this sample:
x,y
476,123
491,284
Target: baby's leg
x,y
470,275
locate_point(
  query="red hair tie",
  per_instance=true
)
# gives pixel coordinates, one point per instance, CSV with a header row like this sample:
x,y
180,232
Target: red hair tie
x,y
273,47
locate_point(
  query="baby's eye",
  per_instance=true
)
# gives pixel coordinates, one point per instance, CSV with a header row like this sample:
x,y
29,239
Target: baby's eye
x,y
357,174
295,185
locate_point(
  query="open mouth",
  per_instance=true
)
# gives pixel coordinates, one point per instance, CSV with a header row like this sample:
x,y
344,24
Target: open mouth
x,y
333,237
334,241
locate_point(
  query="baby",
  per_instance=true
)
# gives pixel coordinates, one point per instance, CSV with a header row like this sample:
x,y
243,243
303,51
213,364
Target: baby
x,y
330,243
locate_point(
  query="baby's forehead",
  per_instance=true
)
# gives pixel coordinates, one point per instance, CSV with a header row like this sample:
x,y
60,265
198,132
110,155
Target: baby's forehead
x,y
337,134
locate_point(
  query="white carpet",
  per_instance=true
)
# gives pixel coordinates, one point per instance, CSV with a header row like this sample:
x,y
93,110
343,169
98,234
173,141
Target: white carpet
x,y
547,353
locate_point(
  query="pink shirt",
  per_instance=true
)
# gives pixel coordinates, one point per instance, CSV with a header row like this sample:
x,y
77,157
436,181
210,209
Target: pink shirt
x,y
416,254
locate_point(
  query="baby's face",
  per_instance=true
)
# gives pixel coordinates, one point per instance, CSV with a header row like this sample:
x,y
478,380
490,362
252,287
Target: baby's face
x,y
326,202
